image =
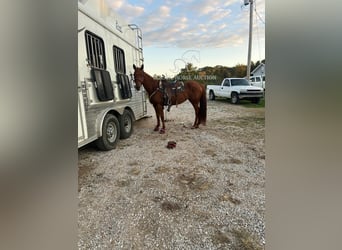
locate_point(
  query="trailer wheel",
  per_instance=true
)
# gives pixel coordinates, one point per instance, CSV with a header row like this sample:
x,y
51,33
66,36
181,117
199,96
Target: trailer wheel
x,y
110,133
126,124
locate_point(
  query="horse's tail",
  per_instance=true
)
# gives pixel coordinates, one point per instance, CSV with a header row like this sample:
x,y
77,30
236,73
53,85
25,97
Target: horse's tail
x,y
203,106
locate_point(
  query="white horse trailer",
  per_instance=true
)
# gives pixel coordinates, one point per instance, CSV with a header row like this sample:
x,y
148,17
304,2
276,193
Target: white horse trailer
x,y
108,103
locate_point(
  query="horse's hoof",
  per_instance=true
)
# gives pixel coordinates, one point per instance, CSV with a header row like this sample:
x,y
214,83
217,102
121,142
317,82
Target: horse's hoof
x,y
193,127
162,131
156,129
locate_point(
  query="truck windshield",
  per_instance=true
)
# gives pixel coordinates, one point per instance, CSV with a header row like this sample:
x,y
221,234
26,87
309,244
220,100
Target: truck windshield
x,y
239,82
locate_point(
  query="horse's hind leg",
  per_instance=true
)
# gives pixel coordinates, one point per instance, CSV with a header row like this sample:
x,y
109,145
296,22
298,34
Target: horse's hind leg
x,y
196,108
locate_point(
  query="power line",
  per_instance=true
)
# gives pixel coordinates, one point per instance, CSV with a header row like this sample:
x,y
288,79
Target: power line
x,y
257,31
259,17
262,20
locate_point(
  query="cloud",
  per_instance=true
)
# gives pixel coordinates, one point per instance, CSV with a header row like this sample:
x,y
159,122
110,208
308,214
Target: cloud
x,y
132,10
126,10
115,4
164,11
218,15
205,7
190,23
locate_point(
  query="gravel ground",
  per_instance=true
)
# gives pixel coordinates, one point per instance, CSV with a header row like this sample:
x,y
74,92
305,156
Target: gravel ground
x,y
206,193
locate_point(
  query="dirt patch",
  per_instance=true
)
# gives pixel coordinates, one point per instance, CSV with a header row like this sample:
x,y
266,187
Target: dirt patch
x,y
170,206
206,193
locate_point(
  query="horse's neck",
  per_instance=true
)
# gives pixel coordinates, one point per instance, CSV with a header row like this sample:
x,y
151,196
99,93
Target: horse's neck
x,y
150,84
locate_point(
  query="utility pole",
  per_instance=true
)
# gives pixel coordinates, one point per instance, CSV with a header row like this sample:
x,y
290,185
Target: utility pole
x,y
250,2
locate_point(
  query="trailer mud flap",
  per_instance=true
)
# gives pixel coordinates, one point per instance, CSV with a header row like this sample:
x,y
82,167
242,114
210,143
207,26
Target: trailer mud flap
x,y
124,86
103,84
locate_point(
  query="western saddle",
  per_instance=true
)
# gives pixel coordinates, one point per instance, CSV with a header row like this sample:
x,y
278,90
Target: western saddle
x,y
170,89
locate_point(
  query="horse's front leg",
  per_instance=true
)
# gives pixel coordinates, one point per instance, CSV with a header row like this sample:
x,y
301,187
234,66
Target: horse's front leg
x,y
161,113
157,116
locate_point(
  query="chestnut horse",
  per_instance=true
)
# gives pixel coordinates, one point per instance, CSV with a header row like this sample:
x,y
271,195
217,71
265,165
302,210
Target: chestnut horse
x,y
193,91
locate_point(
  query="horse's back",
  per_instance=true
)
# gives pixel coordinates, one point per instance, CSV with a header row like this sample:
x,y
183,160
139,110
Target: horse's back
x,y
194,88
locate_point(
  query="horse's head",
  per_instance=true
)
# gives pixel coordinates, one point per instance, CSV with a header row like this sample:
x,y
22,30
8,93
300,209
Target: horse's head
x,y
138,76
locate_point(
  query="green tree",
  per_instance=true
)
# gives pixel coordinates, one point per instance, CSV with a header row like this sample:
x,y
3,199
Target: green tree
x,y
240,70
189,67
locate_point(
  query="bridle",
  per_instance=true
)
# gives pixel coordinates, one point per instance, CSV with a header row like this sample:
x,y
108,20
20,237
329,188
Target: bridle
x,y
139,80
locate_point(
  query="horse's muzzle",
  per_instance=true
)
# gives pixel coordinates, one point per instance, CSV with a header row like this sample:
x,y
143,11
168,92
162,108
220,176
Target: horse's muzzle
x,y
137,87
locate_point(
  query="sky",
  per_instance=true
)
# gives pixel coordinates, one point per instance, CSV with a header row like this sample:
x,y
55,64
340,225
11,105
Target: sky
x,y
201,32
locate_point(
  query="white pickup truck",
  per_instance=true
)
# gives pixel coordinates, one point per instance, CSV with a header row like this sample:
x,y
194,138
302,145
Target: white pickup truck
x,y
258,81
235,89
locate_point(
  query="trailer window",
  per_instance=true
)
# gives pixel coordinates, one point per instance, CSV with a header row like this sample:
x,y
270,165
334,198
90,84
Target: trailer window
x,y
119,60
95,51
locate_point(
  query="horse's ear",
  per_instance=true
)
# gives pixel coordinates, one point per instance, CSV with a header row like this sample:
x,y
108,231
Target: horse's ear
x,y
134,67
142,67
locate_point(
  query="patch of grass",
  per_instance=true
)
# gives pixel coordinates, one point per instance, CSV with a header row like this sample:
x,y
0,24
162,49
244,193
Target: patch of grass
x,y
250,121
249,104
244,103
123,183
210,152
133,163
134,171
242,122
194,182
228,197
161,169
201,185
245,241
85,169
170,206
186,178
234,161
220,238
200,215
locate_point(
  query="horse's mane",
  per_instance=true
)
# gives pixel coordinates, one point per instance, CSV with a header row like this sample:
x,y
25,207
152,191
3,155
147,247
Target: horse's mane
x,y
151,79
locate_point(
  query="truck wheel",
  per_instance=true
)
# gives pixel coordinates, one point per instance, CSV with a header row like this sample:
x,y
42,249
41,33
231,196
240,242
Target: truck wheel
x,y
211,95
126,124
110,133
234,98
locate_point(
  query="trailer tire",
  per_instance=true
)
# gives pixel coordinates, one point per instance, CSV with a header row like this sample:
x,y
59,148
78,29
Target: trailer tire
x,y
110,133
126,124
